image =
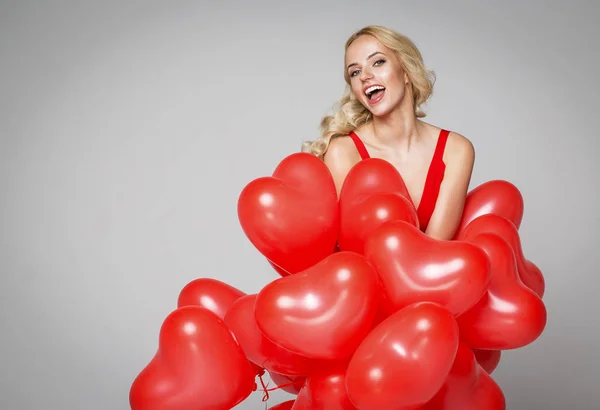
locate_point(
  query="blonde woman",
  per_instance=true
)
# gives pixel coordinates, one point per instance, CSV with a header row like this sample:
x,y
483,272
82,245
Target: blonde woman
x,y
380,116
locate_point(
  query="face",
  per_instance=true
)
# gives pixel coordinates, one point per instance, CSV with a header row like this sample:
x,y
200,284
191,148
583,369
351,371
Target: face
x,y
376,76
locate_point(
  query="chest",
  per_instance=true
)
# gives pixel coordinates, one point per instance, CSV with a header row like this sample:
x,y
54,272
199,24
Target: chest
x,y
414,172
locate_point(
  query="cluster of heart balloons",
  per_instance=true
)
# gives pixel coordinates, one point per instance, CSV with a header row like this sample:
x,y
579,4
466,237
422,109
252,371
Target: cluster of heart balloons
x,y
367,312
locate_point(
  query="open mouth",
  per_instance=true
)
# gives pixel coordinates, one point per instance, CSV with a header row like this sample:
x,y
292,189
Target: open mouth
x,y
374,93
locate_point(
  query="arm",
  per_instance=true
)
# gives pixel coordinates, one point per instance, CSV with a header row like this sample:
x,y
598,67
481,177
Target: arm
x,y
340,157
453,190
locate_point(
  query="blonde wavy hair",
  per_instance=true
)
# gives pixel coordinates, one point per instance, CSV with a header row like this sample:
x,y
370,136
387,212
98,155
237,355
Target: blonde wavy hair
x,y
349,113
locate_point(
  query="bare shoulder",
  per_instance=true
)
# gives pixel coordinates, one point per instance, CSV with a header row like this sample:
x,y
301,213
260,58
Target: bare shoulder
x,y
340,157
341,151
460,152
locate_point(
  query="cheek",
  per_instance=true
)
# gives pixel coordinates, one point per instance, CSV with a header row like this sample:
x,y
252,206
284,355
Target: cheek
x,y
393,79
357,89
396,84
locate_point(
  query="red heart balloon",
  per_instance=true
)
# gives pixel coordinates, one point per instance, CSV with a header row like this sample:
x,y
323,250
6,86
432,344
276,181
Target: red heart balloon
x,y
241,321
414,267
509,315
486,394
467,387
373,192
323,312
405,360
198,366
534,275
325,389
456,387
286,405
209,293
292,217
488,359
214,295
496,197
490,223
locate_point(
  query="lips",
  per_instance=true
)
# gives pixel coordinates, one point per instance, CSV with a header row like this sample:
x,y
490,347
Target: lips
x,y
374,92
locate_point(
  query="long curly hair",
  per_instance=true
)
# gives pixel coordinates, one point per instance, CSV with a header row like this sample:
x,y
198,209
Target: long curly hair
x,y
349,113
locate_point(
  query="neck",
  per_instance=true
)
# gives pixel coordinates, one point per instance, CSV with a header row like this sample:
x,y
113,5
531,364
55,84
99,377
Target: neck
x,y
399,129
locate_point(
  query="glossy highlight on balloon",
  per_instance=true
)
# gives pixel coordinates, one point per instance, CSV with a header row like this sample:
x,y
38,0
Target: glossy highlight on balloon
x,y
528,272
497,197
510,315
323,312
414,267
405,360
292,217
198,365
212,294
373,193
258,348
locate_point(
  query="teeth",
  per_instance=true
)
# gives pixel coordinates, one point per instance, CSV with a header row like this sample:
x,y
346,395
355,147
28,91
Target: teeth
x,y
372,89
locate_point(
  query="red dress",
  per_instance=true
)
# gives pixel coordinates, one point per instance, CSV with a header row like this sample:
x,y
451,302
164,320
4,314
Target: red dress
x,y
435,175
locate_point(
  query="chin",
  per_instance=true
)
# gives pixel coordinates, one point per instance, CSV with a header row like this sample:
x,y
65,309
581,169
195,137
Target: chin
x,y
383,107
380,110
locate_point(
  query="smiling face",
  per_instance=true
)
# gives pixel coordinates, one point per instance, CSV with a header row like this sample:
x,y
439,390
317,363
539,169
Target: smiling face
x,y
376,76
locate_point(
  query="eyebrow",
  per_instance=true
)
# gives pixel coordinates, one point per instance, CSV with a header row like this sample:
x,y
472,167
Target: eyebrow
x,y
371,55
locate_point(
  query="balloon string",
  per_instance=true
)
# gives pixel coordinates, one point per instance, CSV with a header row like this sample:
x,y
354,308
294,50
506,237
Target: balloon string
x,y
267,390
266,395
264,387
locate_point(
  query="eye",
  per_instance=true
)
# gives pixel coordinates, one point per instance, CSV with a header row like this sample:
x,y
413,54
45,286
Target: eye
x,y
379,62
353,73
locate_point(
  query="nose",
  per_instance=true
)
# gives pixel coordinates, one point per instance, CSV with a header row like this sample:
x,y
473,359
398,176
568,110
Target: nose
x,y
365,74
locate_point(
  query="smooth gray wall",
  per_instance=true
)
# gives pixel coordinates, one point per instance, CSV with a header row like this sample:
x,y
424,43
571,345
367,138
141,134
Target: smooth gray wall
x,y
129,129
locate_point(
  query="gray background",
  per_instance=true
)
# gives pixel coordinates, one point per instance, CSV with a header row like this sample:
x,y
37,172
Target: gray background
x,y
129,129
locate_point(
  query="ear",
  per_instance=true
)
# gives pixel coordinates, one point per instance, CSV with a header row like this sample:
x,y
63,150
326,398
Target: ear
x,y
406,79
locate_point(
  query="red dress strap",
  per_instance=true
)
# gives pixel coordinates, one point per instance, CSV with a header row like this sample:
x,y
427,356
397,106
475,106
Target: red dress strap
x,y
435,175
433,181
360,146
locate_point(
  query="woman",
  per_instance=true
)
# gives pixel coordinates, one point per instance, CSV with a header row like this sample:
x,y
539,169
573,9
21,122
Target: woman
x,y
379,116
